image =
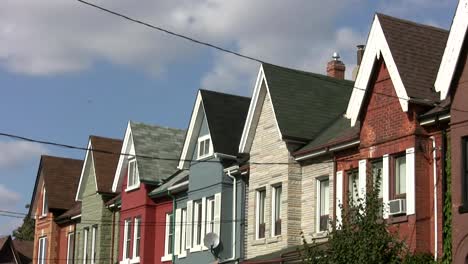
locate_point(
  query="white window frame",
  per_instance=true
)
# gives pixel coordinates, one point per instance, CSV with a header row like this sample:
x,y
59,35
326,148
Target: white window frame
x,y
42,252
93,244
136,178
274,189
197,247
126,233
136,238
44,203
167,256
70,239
85,245
210,151
257,212
210,214
183,230
318,202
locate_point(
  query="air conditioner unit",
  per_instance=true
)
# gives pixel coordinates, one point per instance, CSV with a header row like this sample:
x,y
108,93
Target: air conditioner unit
x,y
397,207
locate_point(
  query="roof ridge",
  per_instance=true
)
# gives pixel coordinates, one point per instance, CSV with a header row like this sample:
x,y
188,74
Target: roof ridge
x,y
155,126
317,75
58,157
221,93
106,138
411,22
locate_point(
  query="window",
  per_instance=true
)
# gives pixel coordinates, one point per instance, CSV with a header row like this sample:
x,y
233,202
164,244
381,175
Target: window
x,y
204,147
210,214
133,180
136,237
44,203
353,192
183,230
127,239
169,237
377,174
400,177
197,220
465,173
260,221
93,245
323,204
42,252
85,245
276,210
70,248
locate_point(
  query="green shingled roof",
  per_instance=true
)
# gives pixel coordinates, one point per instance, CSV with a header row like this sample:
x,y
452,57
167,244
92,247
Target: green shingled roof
x,y
305,103
156,141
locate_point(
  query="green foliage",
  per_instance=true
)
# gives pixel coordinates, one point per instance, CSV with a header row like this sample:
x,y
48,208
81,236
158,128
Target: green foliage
x,y
26,230
362,237
447,228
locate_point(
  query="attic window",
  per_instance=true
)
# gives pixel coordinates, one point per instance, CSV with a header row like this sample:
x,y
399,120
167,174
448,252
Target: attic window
x,y
204,147
44,203
133,180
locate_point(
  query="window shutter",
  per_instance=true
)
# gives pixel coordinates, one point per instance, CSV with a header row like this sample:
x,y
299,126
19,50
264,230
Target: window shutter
x,y
410,182
339,195
188,237
217,215
178,227
362,178
385,184
203,219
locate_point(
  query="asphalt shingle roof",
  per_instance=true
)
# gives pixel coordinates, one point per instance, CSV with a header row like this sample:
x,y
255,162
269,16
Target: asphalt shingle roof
x,y
417,50
305,103
156,141
226,115
105,164
178,177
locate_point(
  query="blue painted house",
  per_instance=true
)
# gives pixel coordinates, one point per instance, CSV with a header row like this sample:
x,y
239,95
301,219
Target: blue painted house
x,y
211,201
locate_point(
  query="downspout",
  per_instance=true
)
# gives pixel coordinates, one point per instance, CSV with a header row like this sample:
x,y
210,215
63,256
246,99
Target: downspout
x,y
444,178
173,223
434,163
234,211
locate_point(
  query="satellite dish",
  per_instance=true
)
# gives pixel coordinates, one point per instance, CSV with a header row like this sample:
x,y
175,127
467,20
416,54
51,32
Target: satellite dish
x,y
211,240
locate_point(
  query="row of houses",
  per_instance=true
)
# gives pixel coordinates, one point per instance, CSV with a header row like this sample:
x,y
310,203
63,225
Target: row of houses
x,y
250,176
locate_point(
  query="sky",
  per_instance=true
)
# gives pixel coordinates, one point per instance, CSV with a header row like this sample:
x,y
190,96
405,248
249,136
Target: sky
x,y
68,71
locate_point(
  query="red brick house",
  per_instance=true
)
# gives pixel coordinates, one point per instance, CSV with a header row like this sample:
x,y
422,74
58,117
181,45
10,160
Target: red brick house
x,y
53,196
452,83
142,219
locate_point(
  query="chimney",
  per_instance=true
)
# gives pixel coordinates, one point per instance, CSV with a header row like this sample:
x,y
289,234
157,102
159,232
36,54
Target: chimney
x,y
359,54
335,67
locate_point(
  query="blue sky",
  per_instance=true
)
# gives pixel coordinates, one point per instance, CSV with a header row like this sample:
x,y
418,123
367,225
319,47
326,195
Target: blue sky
x,y
68,71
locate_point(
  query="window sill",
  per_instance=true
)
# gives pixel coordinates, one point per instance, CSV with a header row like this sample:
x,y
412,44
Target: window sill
x,y
135,260
397,219
196,249
132,188
42,216
463,209
166,258
274,239
260,241
205,157
320,234
181,256
125,261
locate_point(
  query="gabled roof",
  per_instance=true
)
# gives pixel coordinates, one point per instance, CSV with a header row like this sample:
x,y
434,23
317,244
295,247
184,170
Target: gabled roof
x,y
104,159
178,177
303,103
21,250
412,53
153,142
60,177
74,211
453,49
225,115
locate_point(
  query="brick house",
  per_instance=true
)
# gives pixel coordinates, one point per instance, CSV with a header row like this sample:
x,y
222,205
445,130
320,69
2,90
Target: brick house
x,y
94,234
15,251
289,109
452,83
392,98
143,222
54,195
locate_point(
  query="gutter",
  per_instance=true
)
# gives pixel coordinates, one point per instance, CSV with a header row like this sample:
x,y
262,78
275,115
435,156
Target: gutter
x,y
229,171
434,160
178,187
327,150
435,119
224,156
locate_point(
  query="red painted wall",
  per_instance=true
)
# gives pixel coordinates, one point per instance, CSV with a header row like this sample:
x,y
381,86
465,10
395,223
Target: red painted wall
x,y
153,219
386,129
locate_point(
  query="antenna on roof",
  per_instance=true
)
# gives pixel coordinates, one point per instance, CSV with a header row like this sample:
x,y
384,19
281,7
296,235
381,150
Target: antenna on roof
x,y
336,56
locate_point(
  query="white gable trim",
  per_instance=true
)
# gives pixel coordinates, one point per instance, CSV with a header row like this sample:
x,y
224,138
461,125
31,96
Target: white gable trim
x,y
194,125
127,148
376,45
452,50
254,112
88,157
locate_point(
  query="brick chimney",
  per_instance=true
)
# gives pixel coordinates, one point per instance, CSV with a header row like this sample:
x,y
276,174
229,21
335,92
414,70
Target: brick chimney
x,y
335,67
359,54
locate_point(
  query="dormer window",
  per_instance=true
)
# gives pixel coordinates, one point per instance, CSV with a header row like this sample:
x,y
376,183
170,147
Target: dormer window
x,y
44,203
204,147
133,180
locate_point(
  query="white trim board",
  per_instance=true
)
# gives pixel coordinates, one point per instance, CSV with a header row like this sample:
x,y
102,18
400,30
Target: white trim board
x,y
376,46
88,158
253,115
127,148
453,49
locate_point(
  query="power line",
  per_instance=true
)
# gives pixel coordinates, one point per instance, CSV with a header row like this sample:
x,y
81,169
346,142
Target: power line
x,y
11,212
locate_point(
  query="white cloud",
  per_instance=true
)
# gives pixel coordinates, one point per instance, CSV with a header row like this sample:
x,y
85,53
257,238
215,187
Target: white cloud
x,y
13,153
8,198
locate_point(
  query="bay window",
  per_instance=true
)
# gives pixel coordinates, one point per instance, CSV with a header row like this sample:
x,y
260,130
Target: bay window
x,y
260,219
276,210
42,252
353,191
323,204
399,180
